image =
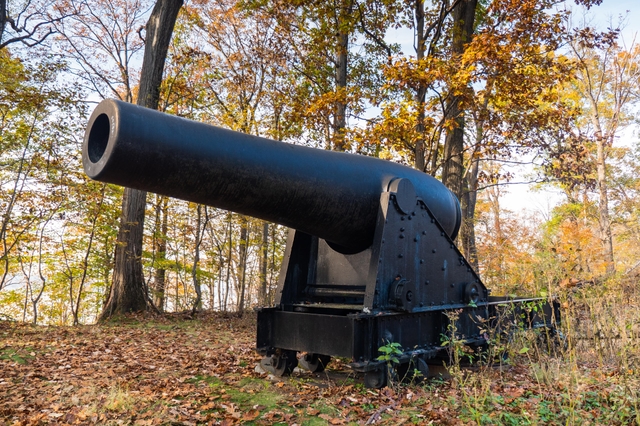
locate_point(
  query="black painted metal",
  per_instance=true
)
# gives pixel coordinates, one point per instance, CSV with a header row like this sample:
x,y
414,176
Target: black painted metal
x,y
401,289
509,312
329,194
412,266
371,260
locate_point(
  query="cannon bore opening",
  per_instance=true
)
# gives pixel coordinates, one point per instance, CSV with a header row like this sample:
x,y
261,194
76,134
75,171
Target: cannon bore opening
x,y
98,138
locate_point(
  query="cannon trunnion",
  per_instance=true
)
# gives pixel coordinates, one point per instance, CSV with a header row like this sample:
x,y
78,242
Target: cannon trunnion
x,y
370,259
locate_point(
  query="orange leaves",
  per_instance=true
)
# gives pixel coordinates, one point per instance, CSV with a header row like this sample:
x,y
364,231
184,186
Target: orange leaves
x,y
74,374
221,392
512,393
250,415
410,73
331,420
504,79
312,411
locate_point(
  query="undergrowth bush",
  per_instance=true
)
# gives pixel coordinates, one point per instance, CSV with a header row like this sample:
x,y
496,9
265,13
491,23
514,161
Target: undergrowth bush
x,y
587,373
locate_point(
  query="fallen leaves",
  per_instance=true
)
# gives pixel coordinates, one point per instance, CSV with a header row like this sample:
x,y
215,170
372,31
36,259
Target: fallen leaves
x,y
100,373
203,372
331,420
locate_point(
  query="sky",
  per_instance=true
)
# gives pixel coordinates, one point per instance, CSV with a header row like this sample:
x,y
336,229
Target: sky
x,y
609,12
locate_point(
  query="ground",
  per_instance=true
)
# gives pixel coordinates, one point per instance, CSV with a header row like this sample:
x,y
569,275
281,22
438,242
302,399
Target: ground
x,y
180,371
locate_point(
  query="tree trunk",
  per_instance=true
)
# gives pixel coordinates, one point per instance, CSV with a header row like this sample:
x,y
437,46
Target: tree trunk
x,y
197,304
453,169
342,60
421,91
127,286
264,261
221,263
493,197
229,263
128,292
25,306
468,205
469,200
160,241
176,294
3,17
242,262
603,205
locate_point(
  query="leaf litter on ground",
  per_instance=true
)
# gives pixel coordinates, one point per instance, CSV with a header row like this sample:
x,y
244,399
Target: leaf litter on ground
x,y
170,369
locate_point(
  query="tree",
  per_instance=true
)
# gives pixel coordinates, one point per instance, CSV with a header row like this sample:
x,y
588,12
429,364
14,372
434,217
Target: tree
x,y
102,42
509,80
608,80
160,251
30,140
453,169
201,225
334,58
31,22
128,289
492,65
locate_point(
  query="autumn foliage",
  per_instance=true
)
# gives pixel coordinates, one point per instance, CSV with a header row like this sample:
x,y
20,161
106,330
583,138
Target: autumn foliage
x,y
461,96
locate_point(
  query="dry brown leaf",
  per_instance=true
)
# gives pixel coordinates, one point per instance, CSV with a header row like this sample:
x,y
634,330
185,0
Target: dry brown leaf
x,y
251,415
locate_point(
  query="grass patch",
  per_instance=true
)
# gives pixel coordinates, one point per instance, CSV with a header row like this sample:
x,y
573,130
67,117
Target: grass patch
x,y
119,400
252,392
210,380
21,355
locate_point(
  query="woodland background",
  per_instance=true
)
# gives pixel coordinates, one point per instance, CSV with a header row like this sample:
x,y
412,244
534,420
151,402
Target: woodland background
x,y
481,86
487,83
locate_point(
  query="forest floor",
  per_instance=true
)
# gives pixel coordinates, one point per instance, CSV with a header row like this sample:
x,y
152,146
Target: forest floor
x,y
177,371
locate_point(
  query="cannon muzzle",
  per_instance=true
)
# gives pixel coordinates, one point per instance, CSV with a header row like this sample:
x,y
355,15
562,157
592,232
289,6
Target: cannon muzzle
x,y
332,195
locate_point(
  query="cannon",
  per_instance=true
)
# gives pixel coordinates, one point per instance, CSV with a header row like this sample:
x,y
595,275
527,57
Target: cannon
x,y
370,258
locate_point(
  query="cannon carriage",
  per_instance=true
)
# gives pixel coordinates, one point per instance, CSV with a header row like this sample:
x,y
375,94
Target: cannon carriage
x,y
370,258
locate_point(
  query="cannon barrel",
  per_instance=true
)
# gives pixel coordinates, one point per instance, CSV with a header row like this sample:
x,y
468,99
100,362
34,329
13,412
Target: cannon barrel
x,y
332,195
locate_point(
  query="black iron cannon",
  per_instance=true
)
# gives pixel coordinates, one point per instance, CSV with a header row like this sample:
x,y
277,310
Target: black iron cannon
x,y
370,259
